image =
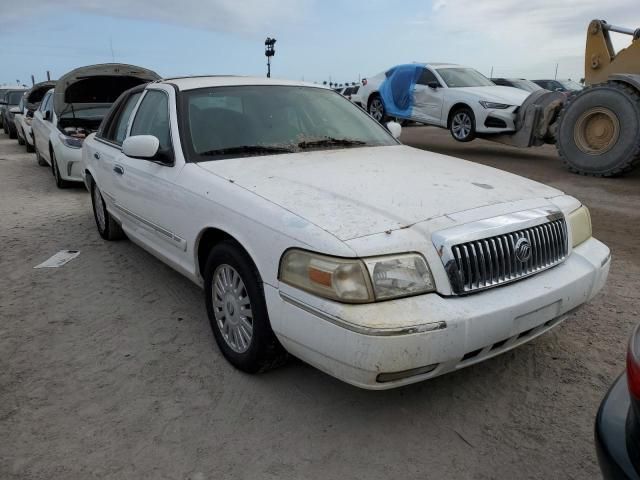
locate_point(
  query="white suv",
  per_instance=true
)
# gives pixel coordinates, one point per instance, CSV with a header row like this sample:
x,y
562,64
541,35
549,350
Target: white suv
x,y
458,98
313,231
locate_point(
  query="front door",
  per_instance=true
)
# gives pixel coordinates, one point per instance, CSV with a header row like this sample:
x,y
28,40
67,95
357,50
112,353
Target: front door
x,y
428,98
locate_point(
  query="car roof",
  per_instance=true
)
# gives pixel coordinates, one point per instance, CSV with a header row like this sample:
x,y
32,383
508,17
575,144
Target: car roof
x,y
191,83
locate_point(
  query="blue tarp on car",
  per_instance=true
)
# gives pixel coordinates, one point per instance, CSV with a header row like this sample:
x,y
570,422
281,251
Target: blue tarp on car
x,y
397,90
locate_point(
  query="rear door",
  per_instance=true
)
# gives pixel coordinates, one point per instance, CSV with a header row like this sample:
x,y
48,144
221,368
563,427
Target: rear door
x,y
40,126
428,101
108,146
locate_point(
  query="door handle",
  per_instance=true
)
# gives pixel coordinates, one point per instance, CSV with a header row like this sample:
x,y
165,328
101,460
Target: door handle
x,y
96,155
118,169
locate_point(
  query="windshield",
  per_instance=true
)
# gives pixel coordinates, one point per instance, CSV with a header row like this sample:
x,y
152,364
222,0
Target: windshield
x,y
526,85
13,98
463,77
570,85
224,122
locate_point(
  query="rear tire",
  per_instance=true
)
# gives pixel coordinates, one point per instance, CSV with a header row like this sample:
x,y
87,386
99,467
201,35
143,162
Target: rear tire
x,y
13,134
462,124
376,108
237,310
108,228
599,130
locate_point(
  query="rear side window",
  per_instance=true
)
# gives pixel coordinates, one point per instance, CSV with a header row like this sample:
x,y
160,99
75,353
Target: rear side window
x,y
120,126
45,102
152,118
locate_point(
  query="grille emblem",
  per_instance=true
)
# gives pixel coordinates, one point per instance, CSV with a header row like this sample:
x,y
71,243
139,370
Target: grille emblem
x,y
523,249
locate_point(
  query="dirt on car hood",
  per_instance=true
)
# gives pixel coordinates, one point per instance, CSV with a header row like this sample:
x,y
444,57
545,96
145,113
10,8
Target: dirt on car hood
x,y
362,191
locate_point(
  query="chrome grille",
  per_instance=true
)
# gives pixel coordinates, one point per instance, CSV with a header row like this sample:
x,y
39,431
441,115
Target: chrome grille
x,y
488,262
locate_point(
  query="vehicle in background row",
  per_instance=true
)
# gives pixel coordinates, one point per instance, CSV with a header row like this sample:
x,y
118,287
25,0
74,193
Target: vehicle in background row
x,y
74,109
314,231
28,105
445,95
352,94
3,90
565,86
520,83
8,108
618,421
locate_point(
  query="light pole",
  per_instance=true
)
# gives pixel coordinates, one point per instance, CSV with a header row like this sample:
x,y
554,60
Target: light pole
x,y
269,51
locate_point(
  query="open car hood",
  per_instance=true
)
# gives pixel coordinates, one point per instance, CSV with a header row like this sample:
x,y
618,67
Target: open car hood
x,y
35,94
97,85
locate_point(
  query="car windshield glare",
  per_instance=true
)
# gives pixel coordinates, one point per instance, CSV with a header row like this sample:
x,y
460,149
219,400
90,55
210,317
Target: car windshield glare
x,y
463,77
241,121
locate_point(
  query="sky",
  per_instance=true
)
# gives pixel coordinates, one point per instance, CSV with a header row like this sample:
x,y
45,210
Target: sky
x,y
317,40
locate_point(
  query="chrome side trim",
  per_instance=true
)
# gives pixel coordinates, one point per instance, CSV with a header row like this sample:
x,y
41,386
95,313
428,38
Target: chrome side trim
x,y
173,238
375,332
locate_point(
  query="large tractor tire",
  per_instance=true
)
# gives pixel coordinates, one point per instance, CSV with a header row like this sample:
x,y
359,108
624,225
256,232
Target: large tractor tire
x,y
599,130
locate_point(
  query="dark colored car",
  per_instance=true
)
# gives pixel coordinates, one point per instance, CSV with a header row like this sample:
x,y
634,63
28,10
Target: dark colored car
x,y
10,100
520,83
564,86
618,421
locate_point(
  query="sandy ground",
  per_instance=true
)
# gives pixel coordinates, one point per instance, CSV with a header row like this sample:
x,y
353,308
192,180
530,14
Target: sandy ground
x,y
108,368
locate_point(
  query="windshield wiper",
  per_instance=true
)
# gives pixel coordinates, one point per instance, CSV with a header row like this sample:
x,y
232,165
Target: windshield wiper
x,y
248,149
331,142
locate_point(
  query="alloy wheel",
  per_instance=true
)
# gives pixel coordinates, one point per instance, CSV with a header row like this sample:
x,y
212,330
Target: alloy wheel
x,y
376,109
461,125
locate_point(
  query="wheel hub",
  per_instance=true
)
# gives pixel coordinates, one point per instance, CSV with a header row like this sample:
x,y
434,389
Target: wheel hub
x,y
232,308
597,131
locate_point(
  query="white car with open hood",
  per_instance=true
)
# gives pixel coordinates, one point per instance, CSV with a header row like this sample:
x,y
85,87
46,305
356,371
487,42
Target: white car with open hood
x,y
73,109
314,232
450,96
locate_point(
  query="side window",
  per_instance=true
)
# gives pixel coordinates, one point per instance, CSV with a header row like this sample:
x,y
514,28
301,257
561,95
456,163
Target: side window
x,y
119,126
152,118
427,76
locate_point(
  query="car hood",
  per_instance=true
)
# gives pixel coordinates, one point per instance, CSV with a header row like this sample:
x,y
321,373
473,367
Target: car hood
x,y
357,192
497,93
97,85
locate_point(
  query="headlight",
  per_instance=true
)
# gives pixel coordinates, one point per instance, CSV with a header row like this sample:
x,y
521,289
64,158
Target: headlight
x,y
72,142
356,280
494,105
580,224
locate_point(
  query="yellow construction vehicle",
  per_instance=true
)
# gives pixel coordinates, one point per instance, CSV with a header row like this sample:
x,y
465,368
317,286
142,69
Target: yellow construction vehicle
x,y
596,131
599,128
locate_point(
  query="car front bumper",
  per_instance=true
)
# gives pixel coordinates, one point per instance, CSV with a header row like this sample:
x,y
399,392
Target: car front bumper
x,y
488,120
416,338
610,433
69,163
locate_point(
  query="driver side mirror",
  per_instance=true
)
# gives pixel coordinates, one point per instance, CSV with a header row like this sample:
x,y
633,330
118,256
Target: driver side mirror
x,y
433,84
146,147
47,115
395,129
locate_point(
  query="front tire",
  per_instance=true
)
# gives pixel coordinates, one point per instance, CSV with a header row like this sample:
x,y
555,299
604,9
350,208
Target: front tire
x,y
21,139
108,228
237,310
463,124
60,182
41,161
30,148
599,130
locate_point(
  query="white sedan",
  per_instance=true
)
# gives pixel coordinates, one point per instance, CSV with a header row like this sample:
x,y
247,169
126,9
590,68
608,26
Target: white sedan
x,y
314,232
73,109
458,98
